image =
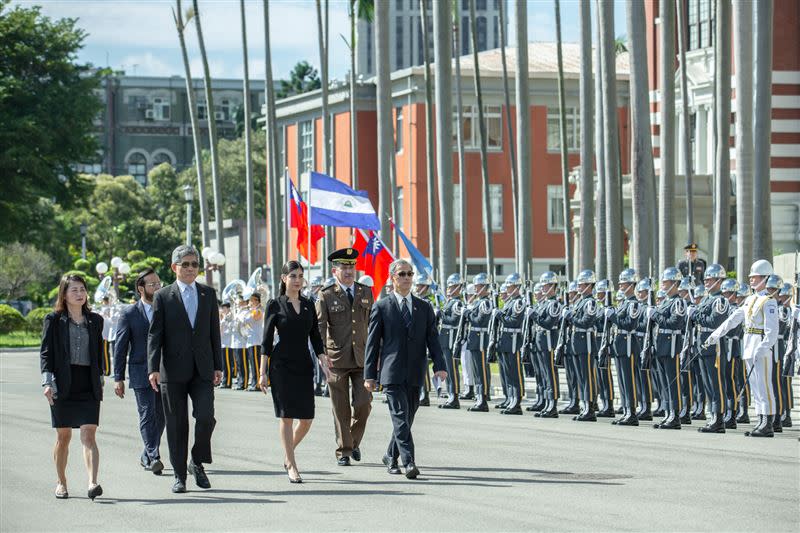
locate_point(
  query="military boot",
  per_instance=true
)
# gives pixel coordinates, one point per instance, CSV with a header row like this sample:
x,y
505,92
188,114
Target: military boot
x,y
764,429
715,425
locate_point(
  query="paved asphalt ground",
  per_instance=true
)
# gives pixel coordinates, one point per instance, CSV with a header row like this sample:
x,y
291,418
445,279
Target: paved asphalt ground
x,y
480,471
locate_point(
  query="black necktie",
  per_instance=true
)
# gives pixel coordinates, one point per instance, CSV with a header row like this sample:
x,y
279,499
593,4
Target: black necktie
x,y
350,295
405,313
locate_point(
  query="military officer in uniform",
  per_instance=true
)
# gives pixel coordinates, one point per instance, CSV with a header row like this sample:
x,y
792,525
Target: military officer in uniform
x,y
670,318
449,319
509,345
605,383
343,312
479,313
583,318
774,287
625,317
466,357
422,290
693,400
785,320
547,318
650,396
733,347
530,352
692,266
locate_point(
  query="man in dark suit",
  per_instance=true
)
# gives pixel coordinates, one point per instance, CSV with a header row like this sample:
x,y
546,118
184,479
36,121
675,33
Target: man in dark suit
x,y
184,358
131,348
402,330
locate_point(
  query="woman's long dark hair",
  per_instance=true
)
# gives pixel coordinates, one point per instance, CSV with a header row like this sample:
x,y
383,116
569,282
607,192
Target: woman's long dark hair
x,y
289,266
61,300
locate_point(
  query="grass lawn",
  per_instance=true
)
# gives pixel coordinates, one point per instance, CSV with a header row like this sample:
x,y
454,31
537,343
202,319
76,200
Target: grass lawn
x,y
20,339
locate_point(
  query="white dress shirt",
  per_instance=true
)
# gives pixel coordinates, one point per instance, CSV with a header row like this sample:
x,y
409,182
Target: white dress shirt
x,y
400,299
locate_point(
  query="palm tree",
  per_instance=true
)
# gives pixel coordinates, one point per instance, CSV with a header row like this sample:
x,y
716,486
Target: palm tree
x,y
762,224
586,252
524,240
600,159
743,55
511,155
687,145
610,134
642,156
444,134
423,19
666,108
462,237
359,10
487,206
212,134
384,115
722,186
248,157
322,41
198,160
562,128
276,207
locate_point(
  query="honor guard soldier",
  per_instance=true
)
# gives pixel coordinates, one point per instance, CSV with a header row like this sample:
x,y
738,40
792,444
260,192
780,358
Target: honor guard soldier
x,y
422,290
254,326
226,336
785,320
314,287
625,318
733,345
670,318
573,406
651,397
692,266
547,318
449,320
530,351
709,314
774,287
605,383
510,343
759,312
479,313
693,395
583,318
466,356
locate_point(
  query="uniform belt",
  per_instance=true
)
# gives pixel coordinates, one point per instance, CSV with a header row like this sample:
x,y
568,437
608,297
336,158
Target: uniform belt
x,y
480,330
625,332
582,330
754,331
512,330
445,326
705,329
640,334
670,331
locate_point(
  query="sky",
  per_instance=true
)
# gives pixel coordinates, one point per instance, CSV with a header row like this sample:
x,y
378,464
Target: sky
x,y
139,36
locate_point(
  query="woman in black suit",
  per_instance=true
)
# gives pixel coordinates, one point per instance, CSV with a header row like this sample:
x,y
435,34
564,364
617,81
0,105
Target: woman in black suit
x,y
72,377
286,366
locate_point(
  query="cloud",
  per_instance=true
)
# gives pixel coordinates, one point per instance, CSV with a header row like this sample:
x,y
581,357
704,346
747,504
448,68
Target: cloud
x,y
147,64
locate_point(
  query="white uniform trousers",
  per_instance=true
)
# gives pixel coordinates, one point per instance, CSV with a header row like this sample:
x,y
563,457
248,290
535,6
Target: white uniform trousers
x,y
760,371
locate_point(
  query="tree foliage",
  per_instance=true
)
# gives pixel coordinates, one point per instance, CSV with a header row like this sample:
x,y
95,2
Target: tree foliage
x,y
21,267
302,79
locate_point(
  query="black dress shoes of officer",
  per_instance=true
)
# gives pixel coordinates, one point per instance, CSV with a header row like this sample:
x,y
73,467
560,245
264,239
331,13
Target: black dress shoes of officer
x,y
570,410
95,491
199,474
343,461
786,421
630,420
608,412
425,402
411,471
715,425
391,465
536,407
777,427
729,420
469,394
699,415
645,415
586,416
450,405
659,412
550,412
356,454
763,428
672,422
619,411
517,410
743,418
501,405
686,419
156,467
179,486
480,407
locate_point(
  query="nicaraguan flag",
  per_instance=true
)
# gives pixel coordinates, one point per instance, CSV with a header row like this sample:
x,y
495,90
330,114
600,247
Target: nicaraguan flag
x,y
333,203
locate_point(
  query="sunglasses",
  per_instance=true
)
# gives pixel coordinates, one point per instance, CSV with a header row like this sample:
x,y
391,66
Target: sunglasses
x,y
405,274
189,264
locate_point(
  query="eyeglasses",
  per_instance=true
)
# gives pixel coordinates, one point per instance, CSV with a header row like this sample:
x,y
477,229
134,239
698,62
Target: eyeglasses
x,y
189,264
405,274
154,285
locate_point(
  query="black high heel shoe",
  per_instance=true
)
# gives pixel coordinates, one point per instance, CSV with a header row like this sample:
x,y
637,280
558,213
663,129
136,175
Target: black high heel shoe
x,y
95,491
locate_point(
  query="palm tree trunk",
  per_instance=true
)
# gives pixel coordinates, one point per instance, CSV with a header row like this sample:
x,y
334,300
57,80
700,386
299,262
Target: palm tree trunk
x,y
642,174
212,134
600,159
248,156
586,251
384,115
511,150
462,237
666,108
353,121
610,134
275,206
743,55
444,134
524,240
722,183
322,39
562,127
762,224
429,153
198,160
687,145
487,206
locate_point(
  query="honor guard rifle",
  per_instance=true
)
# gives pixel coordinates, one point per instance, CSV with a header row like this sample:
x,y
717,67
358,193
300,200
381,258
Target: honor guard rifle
x,y
689,351
605,339
495,324
561,344
647,346
791,344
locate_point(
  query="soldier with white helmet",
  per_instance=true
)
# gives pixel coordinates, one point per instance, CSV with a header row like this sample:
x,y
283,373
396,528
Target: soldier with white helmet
x,y
605,384
547,318
449,319
693,396
774,288
466,356
784,368
760,316
625,318
733,344
650,394
583,319
479,314
422,290
366,281
509,345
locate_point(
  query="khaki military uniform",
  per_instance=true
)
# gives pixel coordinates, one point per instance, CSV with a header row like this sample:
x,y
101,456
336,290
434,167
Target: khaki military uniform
x,y
343,328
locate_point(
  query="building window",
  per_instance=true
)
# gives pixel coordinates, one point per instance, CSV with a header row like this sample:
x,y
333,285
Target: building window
x,y
701,24
202,108
496,28
399,43
160,109
472,135
398,208
306,145
465,37
480,22
496,205
223,110
137,167
573,124
369,47
480,5
457,206
398,129
555,208
89,168
162,157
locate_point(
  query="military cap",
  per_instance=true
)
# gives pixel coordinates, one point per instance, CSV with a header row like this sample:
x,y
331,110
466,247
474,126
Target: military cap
x,y
691,247
344,256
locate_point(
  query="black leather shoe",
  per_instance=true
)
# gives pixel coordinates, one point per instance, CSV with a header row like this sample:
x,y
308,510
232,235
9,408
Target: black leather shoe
x,y
631,420
513,411
179,486
469,395
776,424
787,421
450,405
619,411
672,422
700,415
743,418
686,419
356,454
199,474
411,471
95,491
343,461
608,412
425,402
156,467
715,425
587,416
646,415
659,412
482,407
764,429
730,423
501,405
550,413
391,465
569,410
538,406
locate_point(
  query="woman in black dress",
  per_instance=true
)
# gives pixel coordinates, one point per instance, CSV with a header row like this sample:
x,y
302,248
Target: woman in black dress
x,y
72,377
286,366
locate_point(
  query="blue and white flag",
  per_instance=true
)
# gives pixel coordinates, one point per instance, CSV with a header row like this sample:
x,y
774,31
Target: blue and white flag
x,y
332,203
419,260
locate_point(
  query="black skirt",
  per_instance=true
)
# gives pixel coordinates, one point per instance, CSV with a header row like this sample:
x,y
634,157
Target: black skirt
x,y
292,392
81,407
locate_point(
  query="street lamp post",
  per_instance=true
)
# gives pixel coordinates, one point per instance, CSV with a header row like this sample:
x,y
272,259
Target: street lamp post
x,y
188,195
214,261
84,228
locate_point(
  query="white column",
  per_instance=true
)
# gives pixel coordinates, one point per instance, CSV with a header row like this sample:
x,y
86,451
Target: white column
x,y
711,156
680,170
701,133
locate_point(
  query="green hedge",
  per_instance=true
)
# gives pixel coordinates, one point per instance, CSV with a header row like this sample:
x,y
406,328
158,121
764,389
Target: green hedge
x,y
10,319
35,319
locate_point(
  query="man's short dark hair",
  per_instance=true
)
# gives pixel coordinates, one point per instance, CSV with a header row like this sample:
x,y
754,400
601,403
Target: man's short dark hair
x,y
256,295
143,274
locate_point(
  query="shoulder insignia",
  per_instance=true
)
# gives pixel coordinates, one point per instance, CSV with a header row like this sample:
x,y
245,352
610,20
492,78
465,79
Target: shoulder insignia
x,y
679,306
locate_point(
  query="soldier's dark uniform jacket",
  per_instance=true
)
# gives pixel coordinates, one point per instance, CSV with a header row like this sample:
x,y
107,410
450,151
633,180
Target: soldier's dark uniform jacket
x,y
512,315
698,269
479,315
709,314
670,316
448,320
784,328
547,317
583,320
627,318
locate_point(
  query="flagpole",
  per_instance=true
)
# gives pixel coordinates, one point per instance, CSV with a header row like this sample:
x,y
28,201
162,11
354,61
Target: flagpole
x,y
308,222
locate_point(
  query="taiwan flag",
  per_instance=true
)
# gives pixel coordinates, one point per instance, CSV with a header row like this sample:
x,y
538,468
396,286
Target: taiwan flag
x,y
299,219
374,259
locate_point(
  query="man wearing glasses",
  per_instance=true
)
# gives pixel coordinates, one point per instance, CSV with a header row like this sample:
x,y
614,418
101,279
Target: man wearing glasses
x,y
343,314
131,347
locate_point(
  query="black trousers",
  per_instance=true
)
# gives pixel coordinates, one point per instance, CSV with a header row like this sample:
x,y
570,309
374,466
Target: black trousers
x,y
515,382
668,369
403,403
176,414
453,374
627,381
253,365
228,367
713,369
151,422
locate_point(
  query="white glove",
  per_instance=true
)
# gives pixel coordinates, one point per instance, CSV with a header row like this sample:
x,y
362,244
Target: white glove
x,y
650,311
690,311
608,312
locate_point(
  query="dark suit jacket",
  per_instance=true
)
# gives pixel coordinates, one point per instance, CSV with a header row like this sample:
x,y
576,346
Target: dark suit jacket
x,y
131,346
54,353
399,352
176,350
